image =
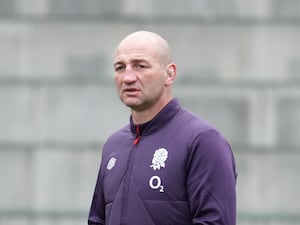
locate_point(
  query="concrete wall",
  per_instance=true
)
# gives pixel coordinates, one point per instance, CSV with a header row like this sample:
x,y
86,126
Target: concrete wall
x,y
238,67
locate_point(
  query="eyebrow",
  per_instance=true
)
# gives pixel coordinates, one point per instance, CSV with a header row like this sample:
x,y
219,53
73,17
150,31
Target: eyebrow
x,y
117,63
137,60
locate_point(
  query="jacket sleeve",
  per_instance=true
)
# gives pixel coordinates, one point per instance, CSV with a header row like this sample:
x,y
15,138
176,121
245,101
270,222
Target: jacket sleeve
x,y
211,179
97,209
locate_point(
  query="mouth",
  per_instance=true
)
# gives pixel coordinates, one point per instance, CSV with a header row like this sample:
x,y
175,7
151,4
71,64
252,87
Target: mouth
x,y
131,91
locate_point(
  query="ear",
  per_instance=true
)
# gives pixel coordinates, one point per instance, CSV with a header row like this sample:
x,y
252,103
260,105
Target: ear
x,y
170,73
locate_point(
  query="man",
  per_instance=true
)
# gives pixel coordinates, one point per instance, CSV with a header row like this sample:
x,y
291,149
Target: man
x,y
167,166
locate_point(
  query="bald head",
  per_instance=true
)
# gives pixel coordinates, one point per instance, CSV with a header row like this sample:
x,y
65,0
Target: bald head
x,y
151,42
144,74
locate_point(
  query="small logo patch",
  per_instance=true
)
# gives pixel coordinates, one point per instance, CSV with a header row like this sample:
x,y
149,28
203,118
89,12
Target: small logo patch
x,y
159,158
111,163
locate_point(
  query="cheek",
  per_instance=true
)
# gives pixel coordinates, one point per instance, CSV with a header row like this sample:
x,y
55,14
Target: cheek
x,y
156,85
118,85
117,81
160,81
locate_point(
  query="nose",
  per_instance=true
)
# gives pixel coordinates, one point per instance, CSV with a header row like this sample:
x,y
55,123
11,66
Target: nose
x,y
129,75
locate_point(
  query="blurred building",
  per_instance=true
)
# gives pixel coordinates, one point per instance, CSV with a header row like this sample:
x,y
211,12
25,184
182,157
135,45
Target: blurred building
x,y
238,67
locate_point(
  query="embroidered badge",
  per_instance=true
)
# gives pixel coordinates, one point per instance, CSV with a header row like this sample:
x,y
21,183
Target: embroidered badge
x,y
111,163
159,158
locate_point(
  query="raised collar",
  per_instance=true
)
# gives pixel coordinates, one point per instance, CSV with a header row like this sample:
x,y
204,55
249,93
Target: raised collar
x,y
160,120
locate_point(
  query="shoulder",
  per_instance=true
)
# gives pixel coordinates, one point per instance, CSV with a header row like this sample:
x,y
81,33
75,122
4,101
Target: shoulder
x,y
193,124
120,133
117,137
199,132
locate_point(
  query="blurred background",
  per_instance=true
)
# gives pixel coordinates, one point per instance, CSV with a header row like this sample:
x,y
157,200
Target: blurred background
x,y
238,67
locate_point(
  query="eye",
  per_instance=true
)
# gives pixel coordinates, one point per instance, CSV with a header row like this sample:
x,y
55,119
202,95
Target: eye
x,y
119,67
141,66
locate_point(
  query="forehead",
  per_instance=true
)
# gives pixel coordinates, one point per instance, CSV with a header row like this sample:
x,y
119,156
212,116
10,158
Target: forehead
x,y
135,54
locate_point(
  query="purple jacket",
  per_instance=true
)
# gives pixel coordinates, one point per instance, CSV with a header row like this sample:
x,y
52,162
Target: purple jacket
x,y
174,170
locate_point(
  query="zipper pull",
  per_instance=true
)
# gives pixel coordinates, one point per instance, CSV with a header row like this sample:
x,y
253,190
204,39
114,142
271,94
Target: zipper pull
x,y
138,136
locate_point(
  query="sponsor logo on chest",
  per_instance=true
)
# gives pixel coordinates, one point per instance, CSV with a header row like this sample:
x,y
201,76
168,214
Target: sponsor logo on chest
x,y
158,162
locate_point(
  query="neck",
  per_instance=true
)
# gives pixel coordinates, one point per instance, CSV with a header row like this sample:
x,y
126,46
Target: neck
x,y
143,116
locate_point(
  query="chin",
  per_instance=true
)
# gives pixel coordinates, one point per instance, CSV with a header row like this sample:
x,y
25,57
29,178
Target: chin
x,y
131,104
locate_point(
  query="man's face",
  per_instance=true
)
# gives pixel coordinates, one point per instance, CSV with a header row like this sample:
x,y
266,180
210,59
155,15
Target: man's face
x,y
139,76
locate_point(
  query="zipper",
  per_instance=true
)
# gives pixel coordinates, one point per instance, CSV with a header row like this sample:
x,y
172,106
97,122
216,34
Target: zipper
x,y
127,178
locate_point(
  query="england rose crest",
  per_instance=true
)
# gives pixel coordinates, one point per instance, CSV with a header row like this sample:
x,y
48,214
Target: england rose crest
x,y
159,158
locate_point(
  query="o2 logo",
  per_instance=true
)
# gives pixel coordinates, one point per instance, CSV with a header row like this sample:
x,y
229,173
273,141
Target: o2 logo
x,y
155,184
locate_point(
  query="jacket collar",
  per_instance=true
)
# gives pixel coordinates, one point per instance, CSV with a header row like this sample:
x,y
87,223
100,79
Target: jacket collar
x,y
160,120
